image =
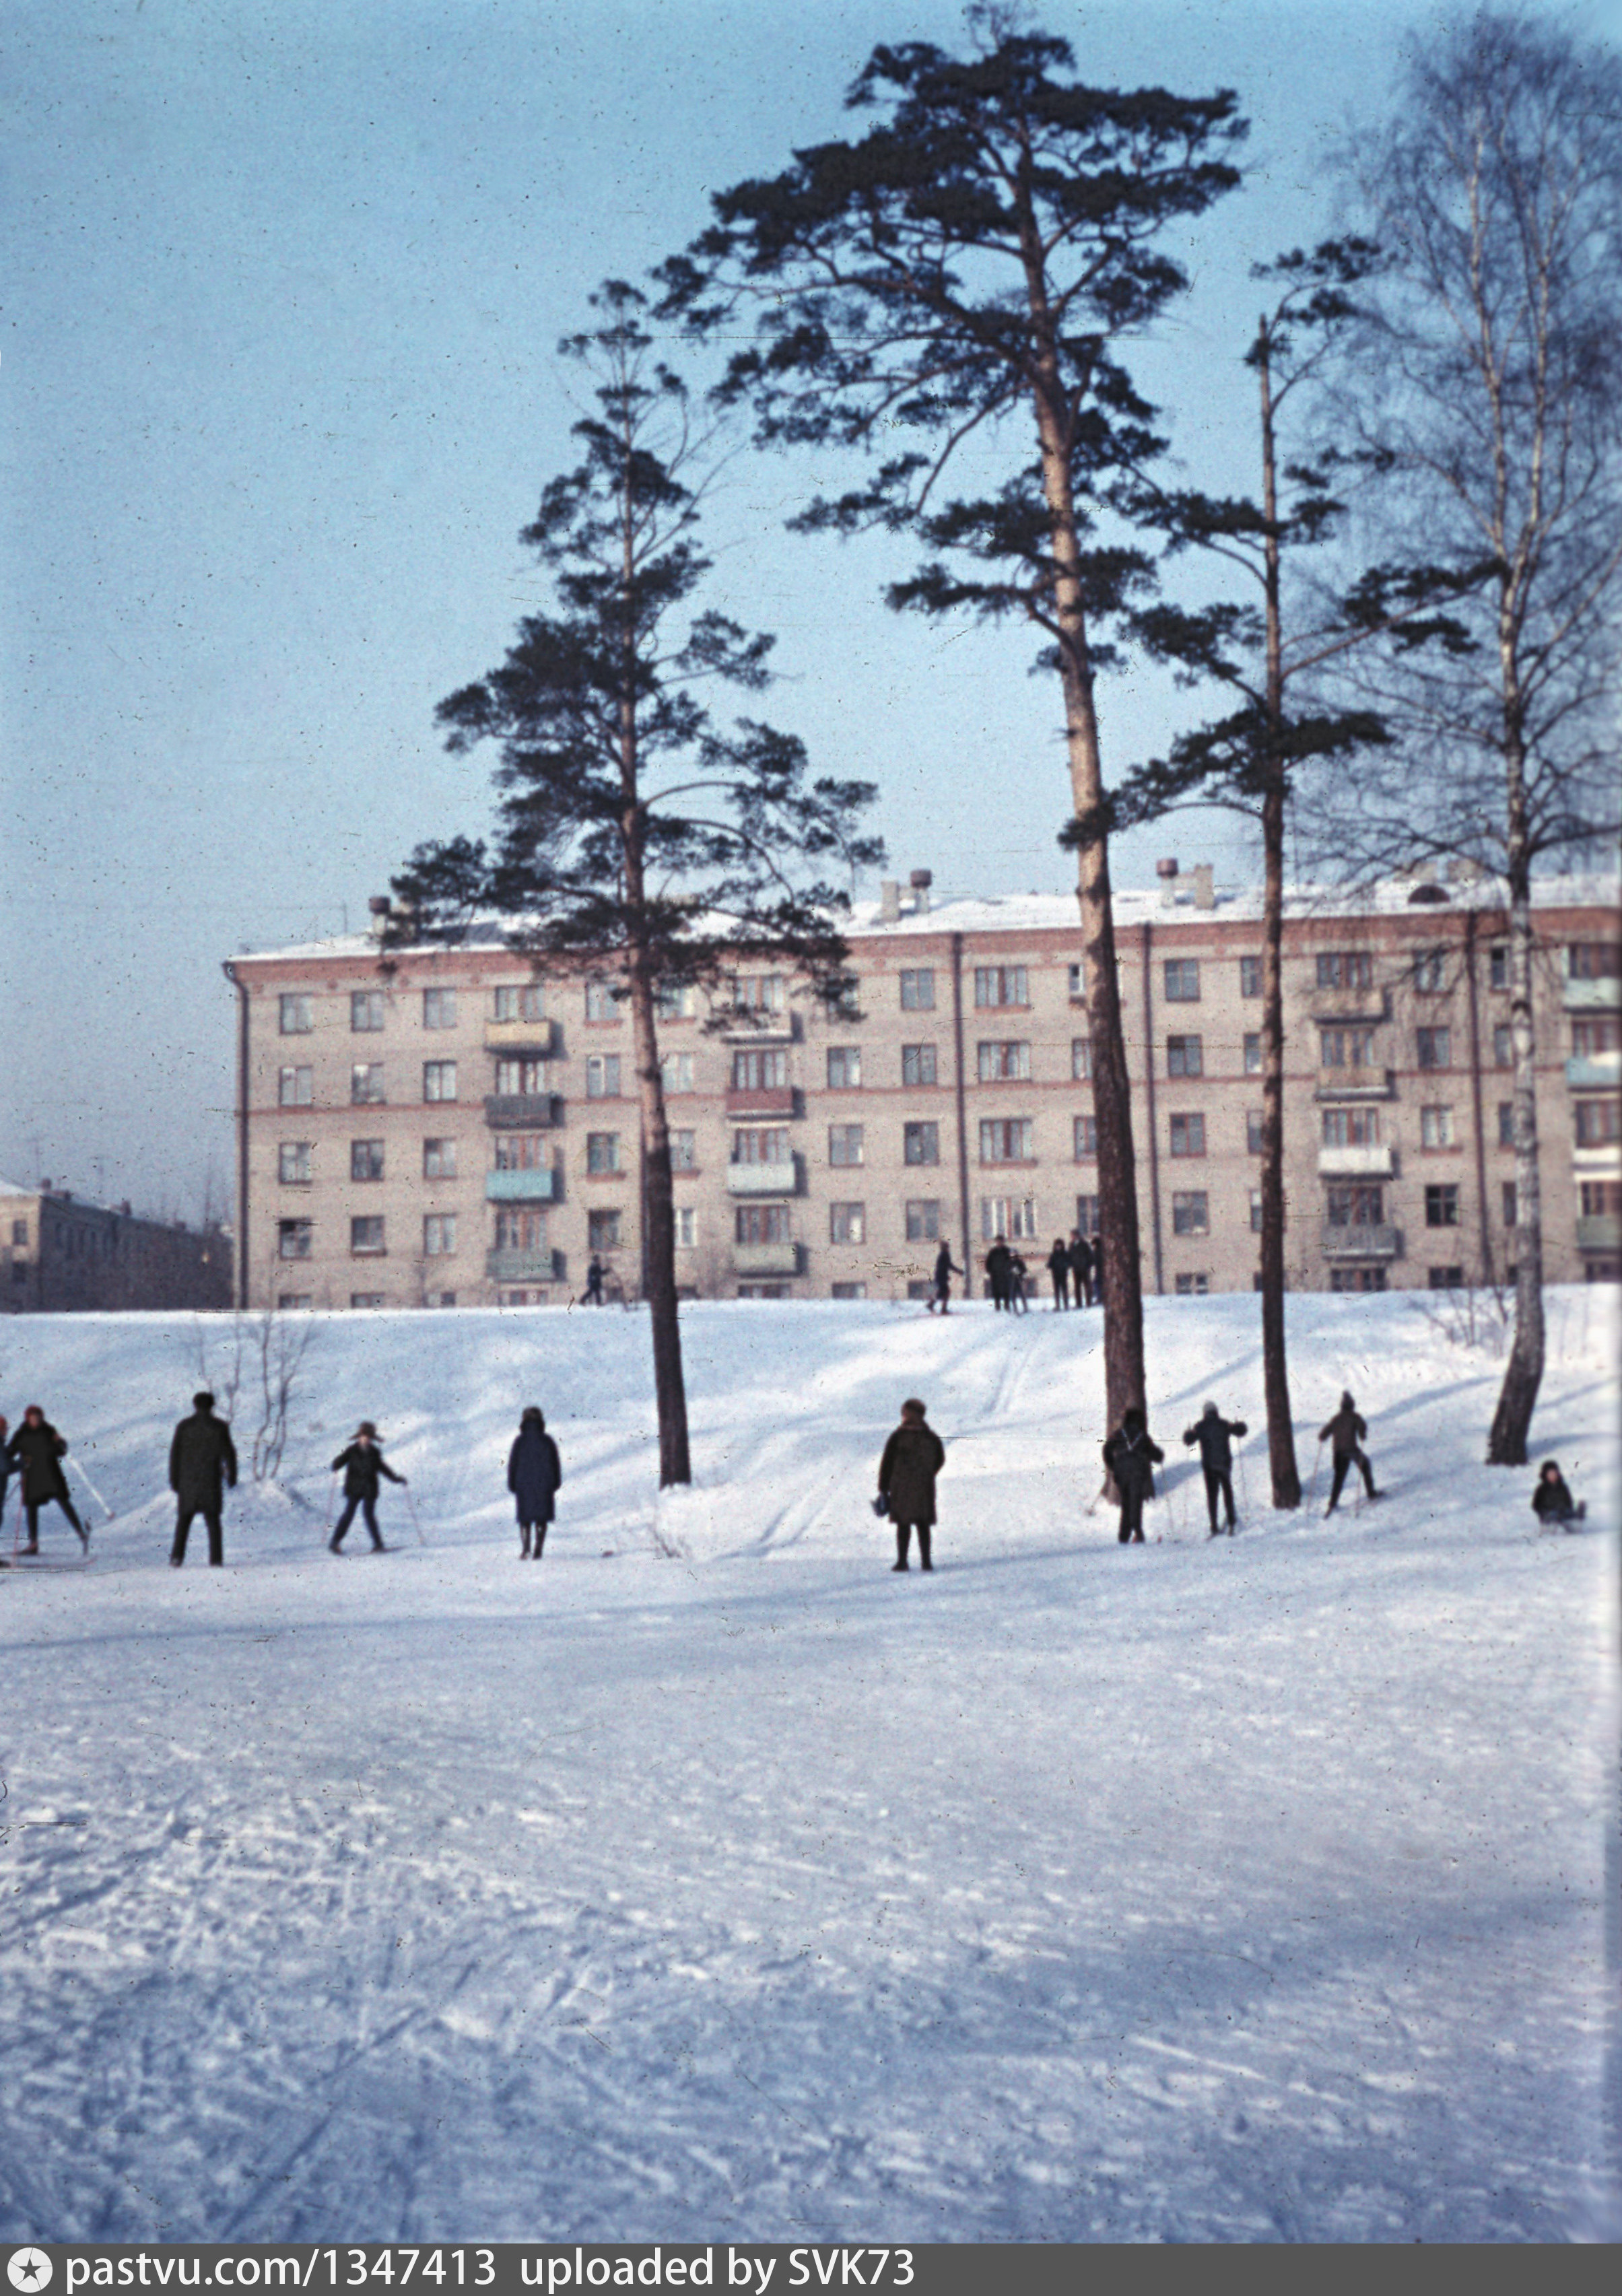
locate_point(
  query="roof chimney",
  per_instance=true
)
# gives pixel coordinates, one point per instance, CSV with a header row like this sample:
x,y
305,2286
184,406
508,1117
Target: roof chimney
x,y
921,881
889,901
1204,885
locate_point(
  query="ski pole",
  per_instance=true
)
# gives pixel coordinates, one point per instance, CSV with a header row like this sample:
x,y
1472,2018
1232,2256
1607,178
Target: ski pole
x,y
331,1502
412,1506
81,1469
1317,1462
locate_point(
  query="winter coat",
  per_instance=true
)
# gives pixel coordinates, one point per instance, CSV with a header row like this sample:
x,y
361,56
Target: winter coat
x,y
1132,1459
1348,1429
1059,1263
999,1261
201,1458
1553,1501
361,1470
1080,1256
534,1472
944,1269
38,1452
912,1458
1212,1433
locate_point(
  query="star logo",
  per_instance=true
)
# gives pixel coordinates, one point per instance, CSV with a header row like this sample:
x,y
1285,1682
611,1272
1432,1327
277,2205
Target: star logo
x,y
29,2269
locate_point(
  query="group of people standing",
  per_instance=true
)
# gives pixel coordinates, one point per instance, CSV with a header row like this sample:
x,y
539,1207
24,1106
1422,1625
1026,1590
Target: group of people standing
x,y
1077,1269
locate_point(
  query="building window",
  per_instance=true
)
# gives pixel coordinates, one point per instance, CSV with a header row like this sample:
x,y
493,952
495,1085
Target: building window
x,y
845,1144
1191,1212
676,1000
365,1159
918,1064
848,1292
1597,1122
683,1152
1075,982
924,1220
294,1170
367,1012
675,1069
297,1015
844,1067
1442,1204
1510,1200
1346,1048
1343,968
918,990
1445,1279
1081,1060
366,1236
1593,960
1599,1199
295,1239
757,1146
439,1234
521,1079
1359,1206
440,1159
1084,1138
368,1299
295,1299
1184,1056
760,1071
602,1231
439,1079
1498,965
1351,1127
1000,984
1590,1039
603,1077
1182,977
519,1231
600,1004
1086,1215
1188,1136
438,1008
1007,1140
1255,1124
1012,1218
19,1227
1506,1124
602,1151
1191,1286
758,992
515,1151
921,1143
847,1223
686,1227
761,1223
1430,971
1256,1211
520,1001
297,1087
1356,1279
1253,1055
366,1084
1249,976
1435,1048
1004,1063
1504,1046
1436,1128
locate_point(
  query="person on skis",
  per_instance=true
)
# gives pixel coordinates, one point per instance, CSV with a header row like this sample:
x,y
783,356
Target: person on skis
x,y
946,1268
1058,1268
595,1275
39,1451
202,1466
912,1458
361,1465
534,1473
1346,1431
1131,1455
1552,1500
1215,1437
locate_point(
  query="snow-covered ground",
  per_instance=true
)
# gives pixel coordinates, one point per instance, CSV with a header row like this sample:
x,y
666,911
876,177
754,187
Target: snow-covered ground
x,y
706,1881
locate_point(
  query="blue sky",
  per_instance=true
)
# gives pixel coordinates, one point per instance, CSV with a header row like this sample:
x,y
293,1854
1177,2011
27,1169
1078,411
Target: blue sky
x,y
280,293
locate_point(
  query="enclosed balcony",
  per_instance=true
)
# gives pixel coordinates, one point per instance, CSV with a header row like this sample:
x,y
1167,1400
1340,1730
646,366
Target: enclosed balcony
x,y
535,1039
531,1187
1599,1232
1602,1072
1361,1084
1358,1242
511,1266
1367,1161
743,1026
522,1111
1591,996
778,1179
766,1259
760,1100
1349,1008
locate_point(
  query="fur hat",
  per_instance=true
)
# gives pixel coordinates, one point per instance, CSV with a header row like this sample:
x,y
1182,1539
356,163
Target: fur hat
x,y
365,1427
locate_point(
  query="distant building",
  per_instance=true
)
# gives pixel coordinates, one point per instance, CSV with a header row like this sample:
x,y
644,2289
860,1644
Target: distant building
x,y
437,1127
60,1254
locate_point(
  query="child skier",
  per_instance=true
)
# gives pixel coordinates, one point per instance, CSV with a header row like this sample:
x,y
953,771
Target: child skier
x,y
38,1450
1215,1437
1132,1457
361,1465
946,1268
1347,1430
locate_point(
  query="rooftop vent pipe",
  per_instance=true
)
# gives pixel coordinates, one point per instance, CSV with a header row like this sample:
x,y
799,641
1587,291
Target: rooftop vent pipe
x,y
921,881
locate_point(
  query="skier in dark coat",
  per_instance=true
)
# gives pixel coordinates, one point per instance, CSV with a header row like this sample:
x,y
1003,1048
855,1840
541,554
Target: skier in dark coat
x,y
534,1473
1215,1436
1080,1256
999,1260
1347,1430
1131,1458
912,1458
946,1268
1552,1500
38,1450
203,1462
595,1275
361,1465
1058,1268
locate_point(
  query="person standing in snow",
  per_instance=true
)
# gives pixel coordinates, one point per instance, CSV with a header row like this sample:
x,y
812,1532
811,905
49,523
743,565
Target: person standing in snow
x,y
1346,1431
5,1463
595,1275
361,1465
202,1465
998,1261
534,1474
1131,1456
1552,1500
1058,1268
1080,1256
39,1451
946,1268
912,1458
1095,1297
1018,1302
1215,1437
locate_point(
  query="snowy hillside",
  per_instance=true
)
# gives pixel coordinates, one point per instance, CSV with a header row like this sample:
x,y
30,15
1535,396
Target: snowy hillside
x,y
705,1881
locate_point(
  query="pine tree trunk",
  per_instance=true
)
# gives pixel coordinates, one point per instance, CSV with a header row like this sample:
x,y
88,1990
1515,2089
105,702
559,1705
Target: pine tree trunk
x,y
659,1249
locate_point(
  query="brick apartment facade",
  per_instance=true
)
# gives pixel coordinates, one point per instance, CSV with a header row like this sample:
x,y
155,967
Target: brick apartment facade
x,y
436,1128
61,1254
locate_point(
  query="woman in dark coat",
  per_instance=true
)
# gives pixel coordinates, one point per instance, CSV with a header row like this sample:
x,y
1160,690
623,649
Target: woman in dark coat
x,y
38,1450
534,1472
1132,1457
912,1458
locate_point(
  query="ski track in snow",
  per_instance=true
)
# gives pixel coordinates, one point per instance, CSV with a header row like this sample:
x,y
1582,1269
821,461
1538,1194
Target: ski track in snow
x,y
706,1881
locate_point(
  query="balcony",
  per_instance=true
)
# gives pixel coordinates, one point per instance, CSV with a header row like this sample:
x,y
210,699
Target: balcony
x,y
532,1187
1602,1073
764,1179
514,1266
1599,1232
522,1111
742,1028
1591,996
1363,1084
1349,1008
766,1259
534,1039
1367,1161
767,1099
1359,1242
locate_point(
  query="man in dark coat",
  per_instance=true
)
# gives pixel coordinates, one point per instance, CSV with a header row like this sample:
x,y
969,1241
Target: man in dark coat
x,y
1347,1430
999,1259
38,1450
534,1473
1080,1256
202,1465
1131,1458
946,1268
1215,1437
595,1275
1058,1268
361,1465
912,1458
